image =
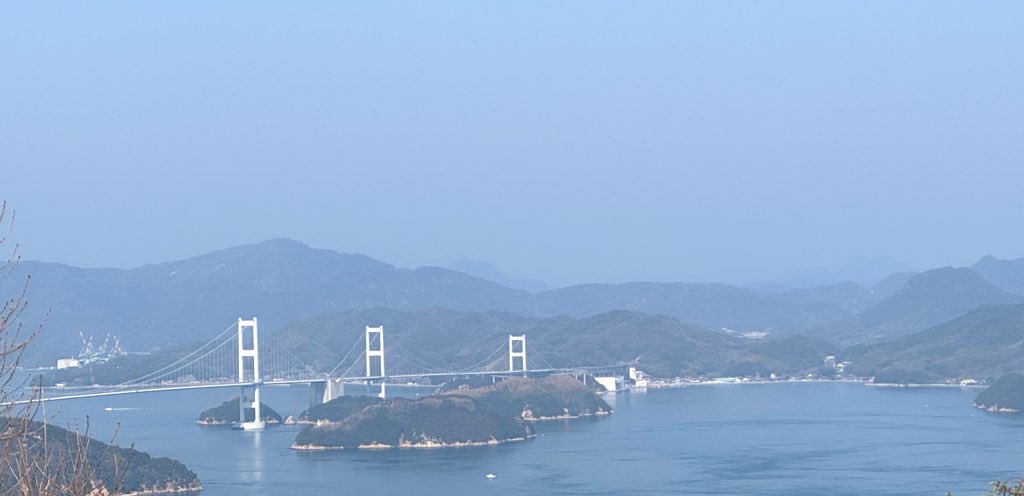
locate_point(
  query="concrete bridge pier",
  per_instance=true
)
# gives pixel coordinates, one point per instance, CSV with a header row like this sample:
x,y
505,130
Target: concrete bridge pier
x,y
319,392
249,362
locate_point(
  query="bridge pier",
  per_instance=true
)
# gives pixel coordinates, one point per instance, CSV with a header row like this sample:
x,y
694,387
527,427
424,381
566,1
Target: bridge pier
x,y
319,392
517,352
249,360
375,352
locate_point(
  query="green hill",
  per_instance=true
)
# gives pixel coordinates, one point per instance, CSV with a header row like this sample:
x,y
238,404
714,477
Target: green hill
x,y
983,344
127,470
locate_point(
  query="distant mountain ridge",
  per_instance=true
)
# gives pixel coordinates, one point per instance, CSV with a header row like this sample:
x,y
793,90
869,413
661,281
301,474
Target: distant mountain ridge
x,y
278,280
283,280
1006,274
926,299
484,270
861,270
713,305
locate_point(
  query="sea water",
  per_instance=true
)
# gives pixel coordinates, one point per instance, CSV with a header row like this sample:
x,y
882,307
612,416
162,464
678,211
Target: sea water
x,y
770,439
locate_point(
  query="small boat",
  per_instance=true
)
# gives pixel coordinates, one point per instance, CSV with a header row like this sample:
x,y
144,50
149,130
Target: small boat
x,y
490,476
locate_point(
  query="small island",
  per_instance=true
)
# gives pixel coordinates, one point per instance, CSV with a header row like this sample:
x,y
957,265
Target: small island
x,y
227,414
457,416
114,470
1006,395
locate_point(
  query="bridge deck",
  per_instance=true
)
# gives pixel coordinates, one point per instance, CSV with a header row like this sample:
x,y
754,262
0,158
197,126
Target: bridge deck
x,y
285,382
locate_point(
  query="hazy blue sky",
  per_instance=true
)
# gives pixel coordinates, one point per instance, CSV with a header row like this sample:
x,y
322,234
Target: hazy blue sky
x,y
567,141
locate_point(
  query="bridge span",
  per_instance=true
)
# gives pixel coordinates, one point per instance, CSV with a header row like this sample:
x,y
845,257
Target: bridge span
x,y
236,360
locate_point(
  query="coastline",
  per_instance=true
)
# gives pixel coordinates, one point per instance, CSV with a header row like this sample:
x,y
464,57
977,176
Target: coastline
x,y
739,382
167,490
402,444
996,408
567,416
928,385
866,382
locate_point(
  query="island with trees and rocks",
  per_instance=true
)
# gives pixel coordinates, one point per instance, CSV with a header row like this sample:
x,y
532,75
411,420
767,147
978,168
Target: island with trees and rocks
x,y
227,414
459,416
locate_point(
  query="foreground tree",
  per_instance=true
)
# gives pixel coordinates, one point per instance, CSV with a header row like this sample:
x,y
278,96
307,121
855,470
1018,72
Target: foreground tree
x,y
32,460
1009,488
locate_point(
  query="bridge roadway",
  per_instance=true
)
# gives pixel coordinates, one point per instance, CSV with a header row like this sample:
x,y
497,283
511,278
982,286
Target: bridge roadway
x,y
287,382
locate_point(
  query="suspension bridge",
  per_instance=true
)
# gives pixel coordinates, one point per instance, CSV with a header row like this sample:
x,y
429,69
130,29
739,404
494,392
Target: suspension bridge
x,y
236,358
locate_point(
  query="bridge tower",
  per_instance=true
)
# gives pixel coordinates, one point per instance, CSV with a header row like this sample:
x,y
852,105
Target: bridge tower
x,y
375,351
249,371
517,349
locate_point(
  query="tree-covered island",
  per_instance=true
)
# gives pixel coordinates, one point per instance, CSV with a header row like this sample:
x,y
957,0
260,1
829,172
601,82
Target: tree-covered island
x,y
227,414
464,416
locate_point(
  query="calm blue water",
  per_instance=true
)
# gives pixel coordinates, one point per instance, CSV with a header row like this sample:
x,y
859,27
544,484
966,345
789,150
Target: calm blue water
x,y
773,439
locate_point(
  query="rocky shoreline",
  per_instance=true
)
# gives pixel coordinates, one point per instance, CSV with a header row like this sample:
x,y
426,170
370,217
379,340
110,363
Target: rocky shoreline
x,y
168,489
996,408
926,385
423,444
528,415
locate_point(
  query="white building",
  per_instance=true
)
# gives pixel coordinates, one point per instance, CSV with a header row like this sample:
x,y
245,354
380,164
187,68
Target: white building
x,y
638,377
68,363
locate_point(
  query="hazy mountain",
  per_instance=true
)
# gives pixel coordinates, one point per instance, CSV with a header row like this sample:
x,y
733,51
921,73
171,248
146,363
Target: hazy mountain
x,y
484,270
864,271
1006,274
985,343
278,280
282,280
891,284
833,301
925,300
662,345
712,305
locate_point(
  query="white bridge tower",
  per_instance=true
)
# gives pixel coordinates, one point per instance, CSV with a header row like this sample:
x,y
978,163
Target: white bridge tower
x,y
375,350
517,349
249,371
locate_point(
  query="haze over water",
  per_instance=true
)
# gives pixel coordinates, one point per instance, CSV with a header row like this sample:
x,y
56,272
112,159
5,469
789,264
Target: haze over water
x,y
797,439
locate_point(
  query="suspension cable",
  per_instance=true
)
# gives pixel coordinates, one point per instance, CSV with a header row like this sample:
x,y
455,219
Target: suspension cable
x,y
342,362
486,361
159,373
